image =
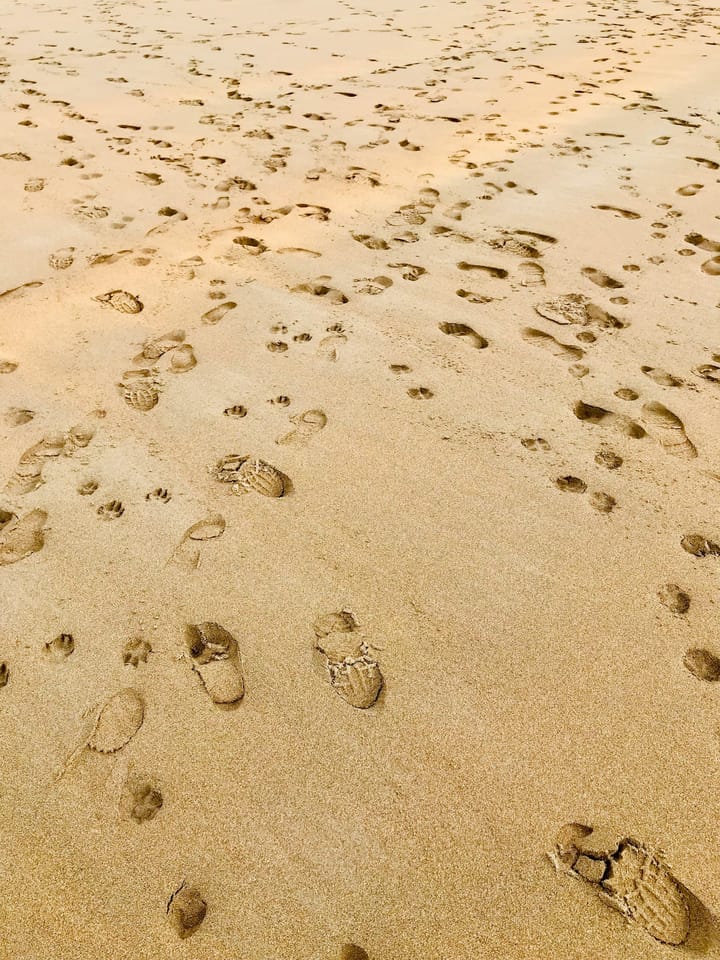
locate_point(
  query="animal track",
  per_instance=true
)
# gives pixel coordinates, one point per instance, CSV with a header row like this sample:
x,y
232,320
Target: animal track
x,y
135,651
159,493
140,799
60,647
186,910
111,510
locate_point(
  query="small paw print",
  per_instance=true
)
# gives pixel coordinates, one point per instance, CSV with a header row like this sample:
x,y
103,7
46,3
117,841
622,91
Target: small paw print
x,y
61,647
88,488
136,651
159,493
111,510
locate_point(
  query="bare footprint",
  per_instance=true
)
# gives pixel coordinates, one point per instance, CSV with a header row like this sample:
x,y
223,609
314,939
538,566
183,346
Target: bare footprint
x,y
564,351
601,279
616,421
464,331
669,431
217,313
662,377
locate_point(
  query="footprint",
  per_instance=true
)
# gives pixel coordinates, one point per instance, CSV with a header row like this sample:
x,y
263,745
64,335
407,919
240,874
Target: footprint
x,y
564,351
217,313
186,910
690,189
372,243
18,416
22,537
711,267
420,393
111,510
214,656
353,671
497,273
629,877
473,297
87,488
183,359
617,421
409,271
140,389
620,211
156,347
372,286
60,647
317,289
708,371
602,502
535,443
463,330
121,300
116,723
571,484
237,411
328,346
135,651
531,274
140,798
576,308
62,259
662,377
307,424
601,279
700,546
159,493
668,429
187,552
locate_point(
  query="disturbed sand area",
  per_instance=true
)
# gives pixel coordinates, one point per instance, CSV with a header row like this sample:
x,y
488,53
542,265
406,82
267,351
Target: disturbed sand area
x,y
453,271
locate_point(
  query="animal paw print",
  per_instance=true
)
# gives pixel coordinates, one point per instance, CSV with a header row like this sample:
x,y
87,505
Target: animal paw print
x,y
159,493
61,647
87,488
136,651
111,510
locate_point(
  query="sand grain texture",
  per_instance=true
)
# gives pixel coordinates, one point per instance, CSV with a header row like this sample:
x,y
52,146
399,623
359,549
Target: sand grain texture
x,y
428,271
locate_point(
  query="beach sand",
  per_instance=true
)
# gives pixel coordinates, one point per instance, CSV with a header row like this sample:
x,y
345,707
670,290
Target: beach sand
x,y
447,278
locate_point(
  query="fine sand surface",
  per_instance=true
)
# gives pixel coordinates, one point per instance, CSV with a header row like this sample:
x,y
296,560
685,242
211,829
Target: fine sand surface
x,y
453,270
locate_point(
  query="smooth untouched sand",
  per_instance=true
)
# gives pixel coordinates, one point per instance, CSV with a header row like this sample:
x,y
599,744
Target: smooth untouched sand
x,y
532,675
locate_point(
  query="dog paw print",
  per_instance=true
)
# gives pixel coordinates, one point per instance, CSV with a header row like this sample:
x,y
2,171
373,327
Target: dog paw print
x,y
136,651
159,493
111,510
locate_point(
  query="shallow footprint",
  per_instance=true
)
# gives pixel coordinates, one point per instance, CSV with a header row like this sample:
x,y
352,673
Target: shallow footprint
x,y
601,279
617,421
217,313
545,340
669,431
463,330
662,377
307,424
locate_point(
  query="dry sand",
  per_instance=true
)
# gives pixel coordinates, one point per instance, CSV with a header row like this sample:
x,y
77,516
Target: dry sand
x,y
398,201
